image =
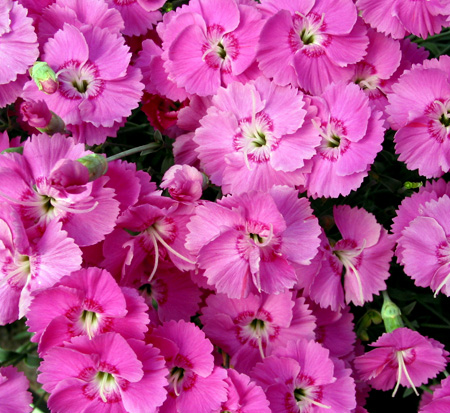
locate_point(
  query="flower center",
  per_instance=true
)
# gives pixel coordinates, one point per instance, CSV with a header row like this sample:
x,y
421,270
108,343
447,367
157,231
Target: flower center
x,y
107,385
90,322
79,81
444,119
176,375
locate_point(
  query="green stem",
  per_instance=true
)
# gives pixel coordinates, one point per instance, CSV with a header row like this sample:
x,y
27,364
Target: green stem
x,y
133,151
425,388
435,326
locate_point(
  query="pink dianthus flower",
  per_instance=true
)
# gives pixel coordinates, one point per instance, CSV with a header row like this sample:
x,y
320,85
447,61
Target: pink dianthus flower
x,y
249,242
251,137
14,396
402,357
311,43
105,374
352,134
208,44
97,87
18,49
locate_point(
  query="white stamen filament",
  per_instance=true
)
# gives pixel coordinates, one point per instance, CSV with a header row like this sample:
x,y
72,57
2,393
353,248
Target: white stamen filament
x,y
57,205
260,346
446,279
402,368
155,263
11,275
312,401
17,201
169,248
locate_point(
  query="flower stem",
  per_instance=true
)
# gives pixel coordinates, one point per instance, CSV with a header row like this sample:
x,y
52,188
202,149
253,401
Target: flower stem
x,y
133,151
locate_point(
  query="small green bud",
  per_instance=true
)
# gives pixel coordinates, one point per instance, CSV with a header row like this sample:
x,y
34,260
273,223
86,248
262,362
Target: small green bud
x,y
412,185
45,78
391,314
96,164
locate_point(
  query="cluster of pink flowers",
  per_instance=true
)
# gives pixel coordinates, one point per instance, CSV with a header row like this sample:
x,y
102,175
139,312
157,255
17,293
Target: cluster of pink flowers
x,y
278,101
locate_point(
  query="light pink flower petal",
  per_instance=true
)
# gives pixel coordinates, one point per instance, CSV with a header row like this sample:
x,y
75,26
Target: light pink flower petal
x,y
349,104
410,98
418,19
224,267
275,53
187,66
357,225
380,16
67,44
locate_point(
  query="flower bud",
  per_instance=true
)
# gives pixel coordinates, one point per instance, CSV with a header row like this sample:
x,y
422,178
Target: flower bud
x,y
39,116
184,183
45,78
96,164
391,314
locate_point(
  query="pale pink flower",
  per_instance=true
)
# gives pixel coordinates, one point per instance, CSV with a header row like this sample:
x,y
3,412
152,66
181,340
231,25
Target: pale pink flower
x,y
352,134
251,137
362,256
16,34
249,242
97,87
425,247
27,266
310,43
402,357
419,109
250,329
88,302
47,183
301,377
208,44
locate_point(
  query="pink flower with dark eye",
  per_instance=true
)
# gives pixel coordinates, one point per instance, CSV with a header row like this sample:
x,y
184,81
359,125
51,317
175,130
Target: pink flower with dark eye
x,y
425,247
401,357
88,302
351,136
310,44
208,44
250,329
97,86
105,374
419,109
195,384
362,257
301,377
252,137
249,242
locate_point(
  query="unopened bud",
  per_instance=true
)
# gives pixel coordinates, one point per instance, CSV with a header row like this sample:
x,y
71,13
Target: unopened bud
x,y
97,165
39,116
45,78
391,314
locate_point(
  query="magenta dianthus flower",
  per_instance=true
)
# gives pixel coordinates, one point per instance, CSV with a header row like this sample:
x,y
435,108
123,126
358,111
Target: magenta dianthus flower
x,y
105,374
14,396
